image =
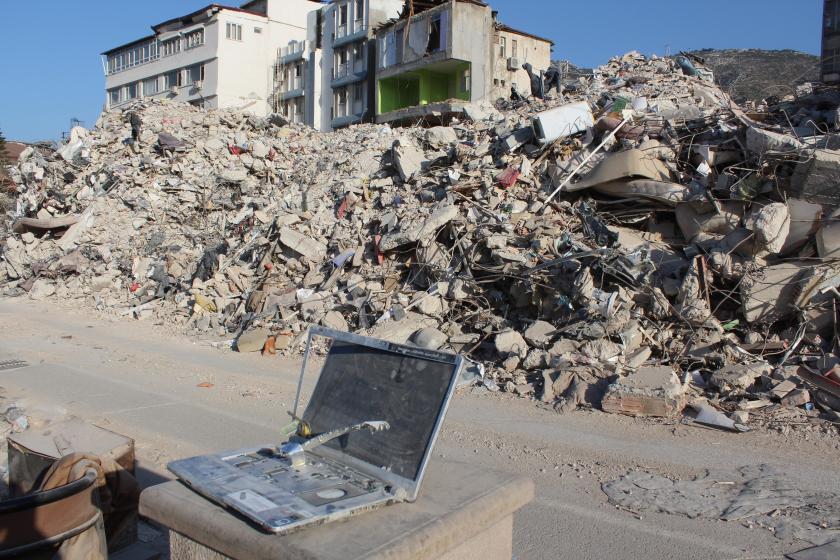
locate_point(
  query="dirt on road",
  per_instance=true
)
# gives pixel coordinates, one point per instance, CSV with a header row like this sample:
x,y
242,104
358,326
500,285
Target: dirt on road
x,y
178,397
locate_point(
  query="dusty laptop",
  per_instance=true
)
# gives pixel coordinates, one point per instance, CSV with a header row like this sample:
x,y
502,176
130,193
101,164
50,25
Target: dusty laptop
x,y
363,441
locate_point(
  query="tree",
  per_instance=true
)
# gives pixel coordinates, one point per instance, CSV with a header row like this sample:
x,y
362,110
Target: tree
x,y
2,149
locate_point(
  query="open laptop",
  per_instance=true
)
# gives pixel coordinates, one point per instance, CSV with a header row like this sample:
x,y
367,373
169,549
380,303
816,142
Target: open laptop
x,y
363,441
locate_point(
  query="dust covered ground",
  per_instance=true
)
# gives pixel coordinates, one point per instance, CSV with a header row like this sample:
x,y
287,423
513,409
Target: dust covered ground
x,y
140,380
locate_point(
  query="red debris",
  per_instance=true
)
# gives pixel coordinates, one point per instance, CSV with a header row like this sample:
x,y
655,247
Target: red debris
x,y
508,177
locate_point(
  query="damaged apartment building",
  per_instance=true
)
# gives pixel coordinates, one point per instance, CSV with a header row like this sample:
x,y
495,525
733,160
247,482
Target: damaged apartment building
x,y
453,51
328,65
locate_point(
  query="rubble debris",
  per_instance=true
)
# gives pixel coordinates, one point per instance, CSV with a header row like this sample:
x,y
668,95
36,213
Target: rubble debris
x,y
651,391
709,416
660,227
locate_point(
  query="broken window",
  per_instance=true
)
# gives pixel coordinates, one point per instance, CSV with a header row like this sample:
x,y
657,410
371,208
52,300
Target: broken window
x,y
115,96
360,10
435,43
466,80
133,90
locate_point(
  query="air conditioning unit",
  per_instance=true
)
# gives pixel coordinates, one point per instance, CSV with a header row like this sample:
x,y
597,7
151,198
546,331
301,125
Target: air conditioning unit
x,y
198,84
513,64
173,90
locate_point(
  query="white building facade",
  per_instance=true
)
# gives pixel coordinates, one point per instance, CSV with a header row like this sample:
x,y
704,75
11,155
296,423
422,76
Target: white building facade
x,y
347,73
218,56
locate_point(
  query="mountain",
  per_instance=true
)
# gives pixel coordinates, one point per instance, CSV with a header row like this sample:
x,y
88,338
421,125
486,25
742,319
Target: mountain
x,y
753,74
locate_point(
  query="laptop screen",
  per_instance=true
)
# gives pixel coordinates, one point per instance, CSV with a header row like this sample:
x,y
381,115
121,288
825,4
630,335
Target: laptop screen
x,y
404,387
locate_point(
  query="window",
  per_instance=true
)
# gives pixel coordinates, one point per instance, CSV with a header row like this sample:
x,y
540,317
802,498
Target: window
x,y
359,52
195,74
171,46
298,76
434,44
360,10
830,61
342,15
134,90
298,109
258,30
399,40
832,17
341,57
194,39
233,31
114,96
466,80
502,47
172,79
514,48
151,86
341,102
358,98
134,56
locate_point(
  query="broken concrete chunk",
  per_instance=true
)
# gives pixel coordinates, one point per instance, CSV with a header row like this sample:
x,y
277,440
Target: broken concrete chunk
x,y
511,342
518,138
772,226
769,293
651,391
306,246
408,159
430,338
738,377
623,165
253,340
760,141
828,241
335,320
41,289
797,397
441,136
538,334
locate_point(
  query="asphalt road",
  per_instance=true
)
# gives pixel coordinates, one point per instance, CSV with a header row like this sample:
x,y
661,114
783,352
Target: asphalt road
x,y
143,381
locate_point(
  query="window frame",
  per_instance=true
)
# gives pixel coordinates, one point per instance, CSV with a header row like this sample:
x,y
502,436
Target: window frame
x,y
194,39
233,31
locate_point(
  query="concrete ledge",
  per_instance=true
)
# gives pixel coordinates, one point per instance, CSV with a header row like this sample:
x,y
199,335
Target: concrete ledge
x,y
461,510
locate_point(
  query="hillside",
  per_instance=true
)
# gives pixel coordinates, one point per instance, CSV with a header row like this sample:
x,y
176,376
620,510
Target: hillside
x,y
754,74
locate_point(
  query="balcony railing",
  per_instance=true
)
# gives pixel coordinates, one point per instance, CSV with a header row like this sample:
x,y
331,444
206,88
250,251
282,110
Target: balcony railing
x,y
293,48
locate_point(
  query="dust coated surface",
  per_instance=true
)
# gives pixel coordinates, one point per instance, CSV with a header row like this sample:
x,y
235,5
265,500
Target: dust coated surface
x,y
143,381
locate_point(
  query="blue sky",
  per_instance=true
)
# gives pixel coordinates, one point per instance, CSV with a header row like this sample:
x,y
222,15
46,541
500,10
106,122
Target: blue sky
x,y
51,71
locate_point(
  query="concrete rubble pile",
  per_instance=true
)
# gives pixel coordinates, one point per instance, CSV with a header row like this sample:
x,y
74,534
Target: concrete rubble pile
x,y
636,243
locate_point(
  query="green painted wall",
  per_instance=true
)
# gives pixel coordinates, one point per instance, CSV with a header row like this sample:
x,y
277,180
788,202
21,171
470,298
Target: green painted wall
x,y
422,87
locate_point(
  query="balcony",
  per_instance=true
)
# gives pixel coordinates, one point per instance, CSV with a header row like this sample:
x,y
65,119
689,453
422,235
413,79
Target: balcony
x,y
293,51
341,71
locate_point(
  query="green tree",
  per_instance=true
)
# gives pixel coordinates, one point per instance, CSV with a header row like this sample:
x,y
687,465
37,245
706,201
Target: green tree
x,y
2,149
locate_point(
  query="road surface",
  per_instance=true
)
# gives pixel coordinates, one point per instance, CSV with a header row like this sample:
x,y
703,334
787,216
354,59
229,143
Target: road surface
x,y
141,380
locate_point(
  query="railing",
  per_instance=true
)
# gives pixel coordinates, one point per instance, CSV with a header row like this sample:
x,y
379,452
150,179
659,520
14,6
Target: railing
x,y
293,48
341,30
341,70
